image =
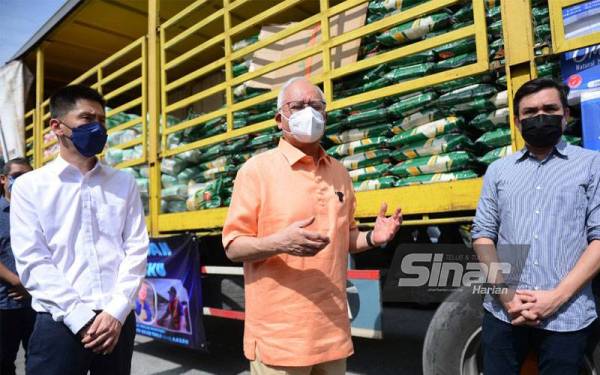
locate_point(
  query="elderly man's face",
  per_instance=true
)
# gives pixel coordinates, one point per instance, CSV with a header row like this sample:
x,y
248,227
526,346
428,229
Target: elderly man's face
x,y
296,97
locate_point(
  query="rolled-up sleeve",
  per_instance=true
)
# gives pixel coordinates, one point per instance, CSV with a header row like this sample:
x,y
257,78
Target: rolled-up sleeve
x,y
593,198
242,216
487,221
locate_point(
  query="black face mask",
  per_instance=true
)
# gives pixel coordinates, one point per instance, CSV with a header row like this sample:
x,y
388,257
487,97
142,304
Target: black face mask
x,y
542,130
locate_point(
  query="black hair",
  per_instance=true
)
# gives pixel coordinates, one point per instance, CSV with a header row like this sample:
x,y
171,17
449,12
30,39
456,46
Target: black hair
x,y
540,84
64,100
9,164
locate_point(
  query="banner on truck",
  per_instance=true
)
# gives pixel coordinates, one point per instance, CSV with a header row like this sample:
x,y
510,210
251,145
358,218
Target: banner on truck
x,y
580,70
169,303
15,80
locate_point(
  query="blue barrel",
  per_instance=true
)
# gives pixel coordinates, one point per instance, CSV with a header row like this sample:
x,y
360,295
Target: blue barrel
x,y
590,120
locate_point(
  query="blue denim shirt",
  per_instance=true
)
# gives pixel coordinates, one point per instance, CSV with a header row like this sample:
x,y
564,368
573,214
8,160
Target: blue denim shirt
x,y
553,207
6,256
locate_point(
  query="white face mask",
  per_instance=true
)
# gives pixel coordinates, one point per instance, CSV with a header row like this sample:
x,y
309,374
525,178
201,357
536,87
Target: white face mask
x,y
307,125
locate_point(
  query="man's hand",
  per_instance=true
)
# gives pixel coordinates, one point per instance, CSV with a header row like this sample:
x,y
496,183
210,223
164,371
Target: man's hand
x,y
546,302
102,335
386,227
518,306
296,240
18,292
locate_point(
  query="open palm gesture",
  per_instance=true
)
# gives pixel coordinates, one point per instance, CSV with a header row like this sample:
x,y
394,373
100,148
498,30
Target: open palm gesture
x,y
386,227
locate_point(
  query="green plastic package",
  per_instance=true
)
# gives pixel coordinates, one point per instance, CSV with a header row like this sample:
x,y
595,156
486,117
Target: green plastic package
x,y
357,134
375,184
452,49
408,72
455,62
479,105
410,104
437,177
495,154
414,30
357,147
495,138
174,192
490,121
417,119
379,115
449,162
365,159
427,131
368,173
434,146
464,94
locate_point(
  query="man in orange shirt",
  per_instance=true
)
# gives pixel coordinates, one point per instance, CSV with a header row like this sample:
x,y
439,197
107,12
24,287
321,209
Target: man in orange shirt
x,y
291,221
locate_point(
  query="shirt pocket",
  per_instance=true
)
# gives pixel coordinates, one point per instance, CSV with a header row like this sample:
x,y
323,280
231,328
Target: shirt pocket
x,y
111,219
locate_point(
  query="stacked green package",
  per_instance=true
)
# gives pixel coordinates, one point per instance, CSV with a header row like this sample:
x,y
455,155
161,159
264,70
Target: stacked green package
x,y
479,105
427,131
437,177
358,134
433,146
410,104
495,154
407,72
449,162
375,184
244,42
455,62
369,173
494,138
360,118
572,140
365,159
356,147
464,94
174,192
416,119
414,30
489,121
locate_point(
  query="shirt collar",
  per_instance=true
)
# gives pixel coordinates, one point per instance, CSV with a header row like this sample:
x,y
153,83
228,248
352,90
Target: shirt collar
x,y
4,204
562,149
294,155
60,165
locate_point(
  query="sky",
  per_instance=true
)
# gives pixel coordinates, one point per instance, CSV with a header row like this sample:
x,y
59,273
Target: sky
x,y
19,20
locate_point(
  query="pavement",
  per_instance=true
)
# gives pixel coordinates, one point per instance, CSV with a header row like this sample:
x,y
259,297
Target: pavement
x,y
398,353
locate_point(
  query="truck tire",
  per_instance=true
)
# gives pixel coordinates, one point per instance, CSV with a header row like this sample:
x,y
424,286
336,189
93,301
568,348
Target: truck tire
x,y
452,342
453,338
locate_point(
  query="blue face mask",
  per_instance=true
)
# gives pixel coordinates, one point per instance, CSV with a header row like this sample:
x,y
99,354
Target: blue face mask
x,y
89,139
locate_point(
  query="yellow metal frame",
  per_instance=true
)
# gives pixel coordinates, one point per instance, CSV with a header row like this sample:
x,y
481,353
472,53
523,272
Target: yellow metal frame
x,y
101,79
155,87
559,42
367,206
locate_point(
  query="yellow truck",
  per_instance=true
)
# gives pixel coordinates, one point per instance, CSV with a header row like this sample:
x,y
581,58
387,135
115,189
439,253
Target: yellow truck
x,y
190,89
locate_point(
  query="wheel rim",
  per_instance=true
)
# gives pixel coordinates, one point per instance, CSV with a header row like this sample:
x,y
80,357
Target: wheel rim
x,y
470,359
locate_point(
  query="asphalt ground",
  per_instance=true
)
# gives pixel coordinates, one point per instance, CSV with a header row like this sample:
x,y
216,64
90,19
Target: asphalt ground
x,y
399,353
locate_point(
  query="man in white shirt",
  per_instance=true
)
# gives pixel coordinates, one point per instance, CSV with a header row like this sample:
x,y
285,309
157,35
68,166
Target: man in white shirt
x,y
80,242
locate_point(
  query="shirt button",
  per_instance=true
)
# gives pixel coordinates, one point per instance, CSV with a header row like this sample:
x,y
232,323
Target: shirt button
x,y
538,187
535,263
535,236
536,287
537,212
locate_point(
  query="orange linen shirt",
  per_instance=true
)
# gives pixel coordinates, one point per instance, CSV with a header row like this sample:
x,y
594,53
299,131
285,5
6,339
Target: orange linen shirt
x,y
296,308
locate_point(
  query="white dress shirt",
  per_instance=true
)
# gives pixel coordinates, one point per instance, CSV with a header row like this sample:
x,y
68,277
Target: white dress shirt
x,y
79,241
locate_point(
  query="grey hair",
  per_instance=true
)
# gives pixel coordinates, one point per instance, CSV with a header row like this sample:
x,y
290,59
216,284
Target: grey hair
x,y
288,83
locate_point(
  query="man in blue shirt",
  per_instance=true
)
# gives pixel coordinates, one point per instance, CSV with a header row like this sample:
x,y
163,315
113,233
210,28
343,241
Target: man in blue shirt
x,y
546,197
16,315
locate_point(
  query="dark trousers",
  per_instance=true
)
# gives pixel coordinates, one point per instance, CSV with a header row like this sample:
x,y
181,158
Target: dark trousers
x,y
15,328
505,348
55,350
